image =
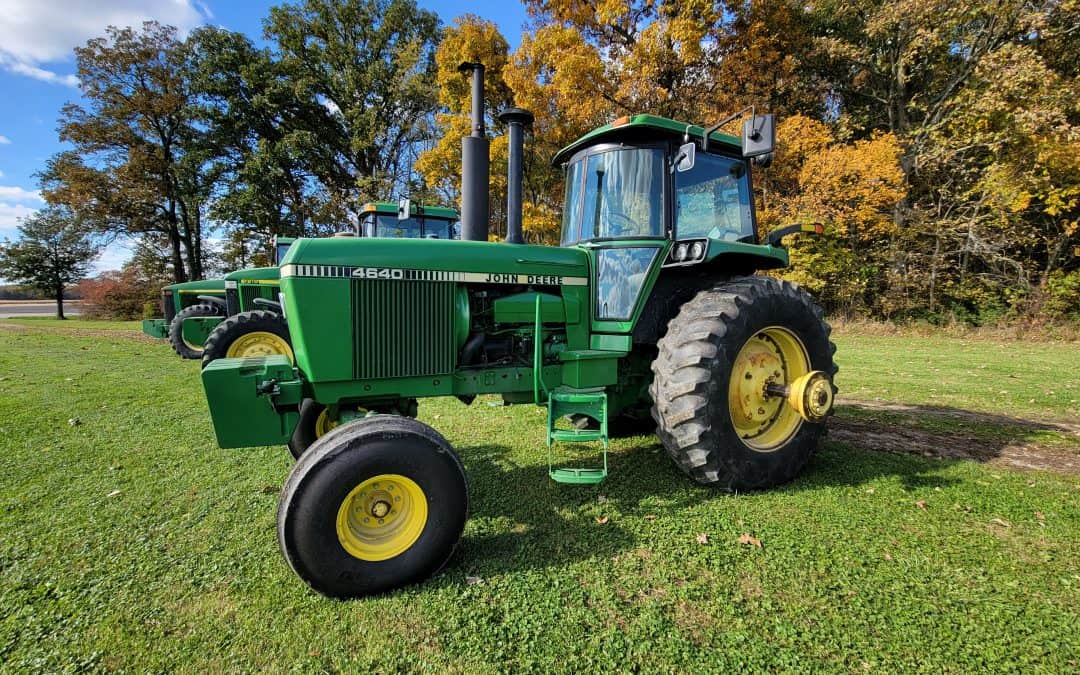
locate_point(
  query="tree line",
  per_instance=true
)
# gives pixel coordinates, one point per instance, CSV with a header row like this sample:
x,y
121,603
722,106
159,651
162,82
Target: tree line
x,y
937,141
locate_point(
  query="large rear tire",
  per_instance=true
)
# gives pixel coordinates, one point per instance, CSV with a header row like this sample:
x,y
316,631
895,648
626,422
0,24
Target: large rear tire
x,y
373,505
255,333
713,364
181,346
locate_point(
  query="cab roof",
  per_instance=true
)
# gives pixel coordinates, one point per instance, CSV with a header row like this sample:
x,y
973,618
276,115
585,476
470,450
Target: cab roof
x,y
388,209
637,127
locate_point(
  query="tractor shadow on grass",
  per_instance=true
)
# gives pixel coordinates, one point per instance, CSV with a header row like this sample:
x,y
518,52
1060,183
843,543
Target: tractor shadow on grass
x,y
953,433
520,519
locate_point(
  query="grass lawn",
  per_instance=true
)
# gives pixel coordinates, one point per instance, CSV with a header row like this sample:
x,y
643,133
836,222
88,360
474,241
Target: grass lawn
x,y
129,541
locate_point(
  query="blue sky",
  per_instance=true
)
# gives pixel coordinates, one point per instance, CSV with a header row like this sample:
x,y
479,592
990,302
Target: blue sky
x,y
37,72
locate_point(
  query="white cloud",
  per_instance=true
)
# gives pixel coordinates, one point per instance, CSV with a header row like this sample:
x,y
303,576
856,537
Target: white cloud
x,y
4,140
38,32
1,174
11,193
10,215
112,257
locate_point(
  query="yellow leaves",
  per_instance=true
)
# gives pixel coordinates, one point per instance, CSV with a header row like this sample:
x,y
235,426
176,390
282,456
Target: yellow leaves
x,y
854,186
474,40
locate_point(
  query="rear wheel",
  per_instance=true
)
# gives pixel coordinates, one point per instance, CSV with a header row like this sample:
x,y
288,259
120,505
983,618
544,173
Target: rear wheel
x,y
254,333
741,372
373,505
181,346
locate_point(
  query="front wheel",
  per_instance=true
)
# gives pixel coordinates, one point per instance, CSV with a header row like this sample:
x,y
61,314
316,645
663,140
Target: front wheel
x,y
254,333
743,383
316,421
185,349
373,505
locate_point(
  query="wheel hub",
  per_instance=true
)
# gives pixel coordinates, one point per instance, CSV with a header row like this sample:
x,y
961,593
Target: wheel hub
x,y
382,517
258,343
770,372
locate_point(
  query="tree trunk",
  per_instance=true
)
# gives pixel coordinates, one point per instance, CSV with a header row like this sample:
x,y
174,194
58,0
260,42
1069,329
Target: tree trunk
x,y
60,303
179,276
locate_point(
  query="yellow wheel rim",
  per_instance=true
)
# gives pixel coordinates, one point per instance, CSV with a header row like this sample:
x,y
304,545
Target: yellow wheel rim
x,y
324,424
382,517
191,345
773,355
259,343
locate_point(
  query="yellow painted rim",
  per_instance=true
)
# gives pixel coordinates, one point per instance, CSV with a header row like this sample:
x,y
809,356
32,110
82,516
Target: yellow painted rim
x,y
190,345
259,343
324,424
382,517
773,355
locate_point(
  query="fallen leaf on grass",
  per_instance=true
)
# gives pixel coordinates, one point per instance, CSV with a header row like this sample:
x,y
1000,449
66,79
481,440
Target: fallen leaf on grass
x,y
888,556
472,581
74,421
870,491
602,520
270,489
601,499
1039,515
747,540
114,493
921,504
999,521
702,538
650,516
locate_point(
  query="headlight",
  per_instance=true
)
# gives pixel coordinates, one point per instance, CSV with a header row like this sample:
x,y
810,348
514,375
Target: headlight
x,y
697,251
680,252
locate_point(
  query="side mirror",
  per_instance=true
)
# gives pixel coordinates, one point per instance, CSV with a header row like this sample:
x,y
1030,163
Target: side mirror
x,y
404,209
758,135
684,161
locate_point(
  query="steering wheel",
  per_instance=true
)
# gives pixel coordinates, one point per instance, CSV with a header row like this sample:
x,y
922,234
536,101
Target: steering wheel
x,y
619,229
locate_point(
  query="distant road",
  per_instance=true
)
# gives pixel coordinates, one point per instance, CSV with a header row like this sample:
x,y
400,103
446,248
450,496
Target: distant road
x,y
13,308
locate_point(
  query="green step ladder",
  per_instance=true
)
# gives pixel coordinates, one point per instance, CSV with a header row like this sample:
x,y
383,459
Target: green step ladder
x,y
566,401
562,402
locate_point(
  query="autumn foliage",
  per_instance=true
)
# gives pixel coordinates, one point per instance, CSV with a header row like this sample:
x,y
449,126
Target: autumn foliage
x,y
936,141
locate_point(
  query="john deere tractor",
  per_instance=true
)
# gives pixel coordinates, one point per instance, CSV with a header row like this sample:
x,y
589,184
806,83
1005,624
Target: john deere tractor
x,y
651,302
203,301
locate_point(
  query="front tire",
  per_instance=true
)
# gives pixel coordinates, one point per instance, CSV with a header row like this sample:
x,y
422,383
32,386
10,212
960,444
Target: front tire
x,y
315,422
719,353
181,346
373,505
255,333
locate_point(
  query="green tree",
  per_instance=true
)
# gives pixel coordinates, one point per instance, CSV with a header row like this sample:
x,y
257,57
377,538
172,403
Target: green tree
x,y
370,64
136,166
256,136
53,251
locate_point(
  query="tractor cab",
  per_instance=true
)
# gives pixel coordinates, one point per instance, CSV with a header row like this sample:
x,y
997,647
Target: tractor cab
x,y
405,222
646,193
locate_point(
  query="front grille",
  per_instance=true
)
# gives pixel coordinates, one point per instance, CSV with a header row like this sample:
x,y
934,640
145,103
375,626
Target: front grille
x,y
403,328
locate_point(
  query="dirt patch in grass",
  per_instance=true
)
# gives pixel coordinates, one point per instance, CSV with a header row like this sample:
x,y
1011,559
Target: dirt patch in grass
x,y
79,332
983,437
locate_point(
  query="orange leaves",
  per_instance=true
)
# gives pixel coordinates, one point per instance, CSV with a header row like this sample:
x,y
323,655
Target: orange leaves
x,y
746,540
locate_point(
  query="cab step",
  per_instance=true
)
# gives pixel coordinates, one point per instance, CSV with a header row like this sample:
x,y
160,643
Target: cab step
x,y
589,402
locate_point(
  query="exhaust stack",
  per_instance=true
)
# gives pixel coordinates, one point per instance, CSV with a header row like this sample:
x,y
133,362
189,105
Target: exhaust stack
x,y
517,119
475,164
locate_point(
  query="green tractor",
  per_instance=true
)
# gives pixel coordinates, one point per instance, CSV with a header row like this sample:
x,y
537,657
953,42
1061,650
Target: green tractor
x,y
651,303
203,301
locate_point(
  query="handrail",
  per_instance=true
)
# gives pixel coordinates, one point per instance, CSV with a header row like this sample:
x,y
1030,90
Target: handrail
x,y
538,358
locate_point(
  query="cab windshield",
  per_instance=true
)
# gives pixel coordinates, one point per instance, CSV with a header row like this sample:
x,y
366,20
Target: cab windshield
x,y
410,228
615,193
712,200
280,250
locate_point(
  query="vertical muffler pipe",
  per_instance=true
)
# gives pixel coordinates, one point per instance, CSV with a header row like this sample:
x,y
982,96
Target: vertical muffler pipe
x,y
517,119
475,161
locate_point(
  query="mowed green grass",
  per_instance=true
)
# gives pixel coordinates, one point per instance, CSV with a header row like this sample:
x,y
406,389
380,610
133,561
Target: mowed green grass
x,y
128,541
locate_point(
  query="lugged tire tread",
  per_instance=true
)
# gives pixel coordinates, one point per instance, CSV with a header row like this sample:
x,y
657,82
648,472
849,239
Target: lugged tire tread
x,y
681,396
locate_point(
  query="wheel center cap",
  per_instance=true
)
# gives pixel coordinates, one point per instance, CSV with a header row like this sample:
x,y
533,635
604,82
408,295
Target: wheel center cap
x,y
380,508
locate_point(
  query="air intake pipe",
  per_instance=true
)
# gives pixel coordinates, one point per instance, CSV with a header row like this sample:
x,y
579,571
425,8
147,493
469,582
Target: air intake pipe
x,y
475,164
517,119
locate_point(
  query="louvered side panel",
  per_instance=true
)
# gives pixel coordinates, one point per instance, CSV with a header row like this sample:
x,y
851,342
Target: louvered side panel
x,y
403,328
